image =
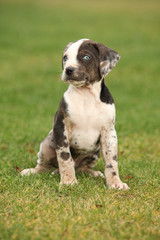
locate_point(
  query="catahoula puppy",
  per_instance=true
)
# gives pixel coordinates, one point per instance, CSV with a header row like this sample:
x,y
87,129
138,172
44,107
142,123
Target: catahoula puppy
x,y
85,121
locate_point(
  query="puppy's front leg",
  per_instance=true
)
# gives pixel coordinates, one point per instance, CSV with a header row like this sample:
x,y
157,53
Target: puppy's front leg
x,y
66,166
64,158
109,152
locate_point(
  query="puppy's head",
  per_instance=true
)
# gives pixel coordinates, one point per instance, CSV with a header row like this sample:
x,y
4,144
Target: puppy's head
x,y
86,62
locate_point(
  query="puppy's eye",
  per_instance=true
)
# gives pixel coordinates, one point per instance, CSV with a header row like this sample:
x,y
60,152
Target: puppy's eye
x,y
86,57
65,58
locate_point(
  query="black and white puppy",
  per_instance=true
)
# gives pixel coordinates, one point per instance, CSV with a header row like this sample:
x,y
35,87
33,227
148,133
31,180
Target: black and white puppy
x,y
85,120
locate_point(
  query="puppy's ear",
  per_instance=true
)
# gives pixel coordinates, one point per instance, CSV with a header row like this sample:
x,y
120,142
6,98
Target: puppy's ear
x,y
108,59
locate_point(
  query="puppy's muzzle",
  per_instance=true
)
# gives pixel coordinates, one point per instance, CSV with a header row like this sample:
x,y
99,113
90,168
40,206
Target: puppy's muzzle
x,y
75,76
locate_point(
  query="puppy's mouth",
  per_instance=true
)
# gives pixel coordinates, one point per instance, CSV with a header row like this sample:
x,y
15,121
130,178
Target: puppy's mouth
x,y
78,79
76,83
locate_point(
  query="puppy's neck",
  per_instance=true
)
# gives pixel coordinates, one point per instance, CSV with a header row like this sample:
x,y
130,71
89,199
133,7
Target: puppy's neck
x,y
92,89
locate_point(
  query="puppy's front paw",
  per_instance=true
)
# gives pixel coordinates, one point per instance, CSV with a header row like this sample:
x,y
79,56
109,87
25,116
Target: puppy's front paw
x,y
68,182
118,185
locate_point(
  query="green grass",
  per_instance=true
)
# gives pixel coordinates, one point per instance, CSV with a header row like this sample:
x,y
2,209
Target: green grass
x,y
33,35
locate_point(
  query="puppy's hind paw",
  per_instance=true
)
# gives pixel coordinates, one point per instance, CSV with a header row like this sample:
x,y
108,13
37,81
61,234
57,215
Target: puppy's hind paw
x,y
56,171
28,171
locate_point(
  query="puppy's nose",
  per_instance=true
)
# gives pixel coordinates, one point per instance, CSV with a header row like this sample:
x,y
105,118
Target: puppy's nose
x,y
69,70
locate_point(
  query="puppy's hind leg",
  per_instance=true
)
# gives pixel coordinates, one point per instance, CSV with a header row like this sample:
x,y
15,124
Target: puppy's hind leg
x,y
46,157
88,165
91,172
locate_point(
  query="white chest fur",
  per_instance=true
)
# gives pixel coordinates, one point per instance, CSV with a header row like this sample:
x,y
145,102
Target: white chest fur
x,y
88,115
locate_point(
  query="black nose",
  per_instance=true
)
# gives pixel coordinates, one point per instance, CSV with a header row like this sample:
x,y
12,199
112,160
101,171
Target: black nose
x,y
69,70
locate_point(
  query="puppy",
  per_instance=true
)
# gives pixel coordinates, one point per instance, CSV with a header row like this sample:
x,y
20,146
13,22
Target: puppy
x,y
84,122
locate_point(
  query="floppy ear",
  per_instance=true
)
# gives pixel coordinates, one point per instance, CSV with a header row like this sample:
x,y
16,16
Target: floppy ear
x,y
108,59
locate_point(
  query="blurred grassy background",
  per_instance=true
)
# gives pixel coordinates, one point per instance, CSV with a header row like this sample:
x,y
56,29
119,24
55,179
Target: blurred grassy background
x,y
33,35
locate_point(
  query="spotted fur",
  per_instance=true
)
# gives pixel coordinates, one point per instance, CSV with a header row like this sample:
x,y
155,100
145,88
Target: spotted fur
x,y
85,120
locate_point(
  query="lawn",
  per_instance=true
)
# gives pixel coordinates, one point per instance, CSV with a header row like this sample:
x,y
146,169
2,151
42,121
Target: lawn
x,y
33,35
